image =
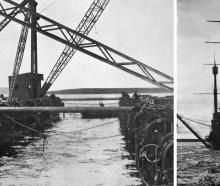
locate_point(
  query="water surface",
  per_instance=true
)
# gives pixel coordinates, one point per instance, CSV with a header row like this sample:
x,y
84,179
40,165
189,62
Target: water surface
x,y
78,159
197,165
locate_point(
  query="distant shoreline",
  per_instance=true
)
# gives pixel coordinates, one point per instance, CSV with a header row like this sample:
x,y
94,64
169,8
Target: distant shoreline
x,y
4,90
108,91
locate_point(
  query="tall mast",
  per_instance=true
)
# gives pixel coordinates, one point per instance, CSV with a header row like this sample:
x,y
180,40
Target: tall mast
x,y
33,7
215,72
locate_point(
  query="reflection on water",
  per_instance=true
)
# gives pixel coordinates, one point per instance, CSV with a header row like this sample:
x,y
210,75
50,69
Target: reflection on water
x,y
71,158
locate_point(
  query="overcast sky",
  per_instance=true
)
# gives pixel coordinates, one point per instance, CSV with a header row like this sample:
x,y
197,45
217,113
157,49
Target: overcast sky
x,y
142,29
193,53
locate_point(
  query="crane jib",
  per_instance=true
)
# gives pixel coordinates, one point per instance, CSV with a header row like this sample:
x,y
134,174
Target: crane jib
x,y
106,54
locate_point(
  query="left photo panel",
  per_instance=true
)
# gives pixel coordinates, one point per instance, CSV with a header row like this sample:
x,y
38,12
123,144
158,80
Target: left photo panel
x,y
87,92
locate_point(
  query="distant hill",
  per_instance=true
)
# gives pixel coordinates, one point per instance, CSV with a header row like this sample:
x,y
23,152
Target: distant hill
x,y
4,90
108,91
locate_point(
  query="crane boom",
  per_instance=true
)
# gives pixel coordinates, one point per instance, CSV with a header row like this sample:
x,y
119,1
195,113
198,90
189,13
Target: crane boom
x,y
14,12
84,27
63,34
19,57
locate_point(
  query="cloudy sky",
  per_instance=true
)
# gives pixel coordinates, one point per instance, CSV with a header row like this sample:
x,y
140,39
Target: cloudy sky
x,y
193,76
142,29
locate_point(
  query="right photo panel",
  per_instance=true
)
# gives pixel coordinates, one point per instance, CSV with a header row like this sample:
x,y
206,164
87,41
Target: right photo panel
x,y
198,114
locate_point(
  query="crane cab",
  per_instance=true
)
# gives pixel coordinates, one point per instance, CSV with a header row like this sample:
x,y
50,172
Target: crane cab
x,y
28,86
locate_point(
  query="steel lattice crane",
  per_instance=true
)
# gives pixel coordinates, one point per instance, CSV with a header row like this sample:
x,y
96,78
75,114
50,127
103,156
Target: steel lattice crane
x,y
13,13
19,57
84,27
22,44
20,48
71,39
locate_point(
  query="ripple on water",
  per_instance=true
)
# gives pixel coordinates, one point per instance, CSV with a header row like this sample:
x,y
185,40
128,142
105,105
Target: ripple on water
x,y
72,159
201,166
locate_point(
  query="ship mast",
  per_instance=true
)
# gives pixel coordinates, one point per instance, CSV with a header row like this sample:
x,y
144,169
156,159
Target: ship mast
x,y
215,72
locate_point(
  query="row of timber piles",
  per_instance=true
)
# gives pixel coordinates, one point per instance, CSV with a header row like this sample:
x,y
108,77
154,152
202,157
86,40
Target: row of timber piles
x,y
15,126
148,131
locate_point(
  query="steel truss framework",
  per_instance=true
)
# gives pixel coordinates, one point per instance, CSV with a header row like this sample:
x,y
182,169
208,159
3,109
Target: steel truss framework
x,y
20,48
103,53
13,13
84,27
19,57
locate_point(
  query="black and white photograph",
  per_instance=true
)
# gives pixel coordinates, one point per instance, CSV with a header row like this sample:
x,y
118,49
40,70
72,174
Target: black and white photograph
x,y
198,125
87,92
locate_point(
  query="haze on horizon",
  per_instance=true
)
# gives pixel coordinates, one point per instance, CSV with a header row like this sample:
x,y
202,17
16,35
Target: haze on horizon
x,y
141,29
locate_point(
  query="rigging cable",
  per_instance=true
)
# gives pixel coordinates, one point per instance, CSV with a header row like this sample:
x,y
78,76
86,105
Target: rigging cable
x,y
48,6
199,120
76,131
29,128
45,140
16,122
105,137
189,119
37,131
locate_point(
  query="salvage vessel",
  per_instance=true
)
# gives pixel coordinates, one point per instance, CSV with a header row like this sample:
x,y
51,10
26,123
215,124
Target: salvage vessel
x,y
148,125
213,139
148,131
15,126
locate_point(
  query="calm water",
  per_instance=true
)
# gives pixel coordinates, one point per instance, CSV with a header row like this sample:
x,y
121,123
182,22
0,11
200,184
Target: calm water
x,y
75,159
70,158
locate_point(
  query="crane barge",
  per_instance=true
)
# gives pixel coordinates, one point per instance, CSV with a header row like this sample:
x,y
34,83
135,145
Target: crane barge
x,y
146,123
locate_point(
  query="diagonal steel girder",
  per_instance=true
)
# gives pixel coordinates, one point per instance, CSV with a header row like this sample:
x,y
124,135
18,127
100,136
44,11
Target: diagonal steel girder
x,y
13,13
64,35
19,57
85,26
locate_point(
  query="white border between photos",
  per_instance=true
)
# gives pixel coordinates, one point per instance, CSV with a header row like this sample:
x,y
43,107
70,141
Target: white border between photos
x,y
175,87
